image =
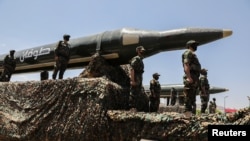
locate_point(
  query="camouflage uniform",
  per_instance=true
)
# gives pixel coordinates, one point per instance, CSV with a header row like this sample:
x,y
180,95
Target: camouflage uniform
x,y
212,107
63,53
190,90
181,99
173,96
9,65
204,96
138,66
155,89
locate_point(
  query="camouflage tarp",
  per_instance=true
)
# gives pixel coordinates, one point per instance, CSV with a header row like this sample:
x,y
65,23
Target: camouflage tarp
x,y
67,109
169,126
93,109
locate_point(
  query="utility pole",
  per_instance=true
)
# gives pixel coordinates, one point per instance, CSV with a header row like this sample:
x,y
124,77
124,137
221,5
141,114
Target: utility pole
x,y
225,104
249,101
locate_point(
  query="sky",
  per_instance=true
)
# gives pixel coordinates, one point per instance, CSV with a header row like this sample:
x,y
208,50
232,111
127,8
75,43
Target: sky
x,y
31,23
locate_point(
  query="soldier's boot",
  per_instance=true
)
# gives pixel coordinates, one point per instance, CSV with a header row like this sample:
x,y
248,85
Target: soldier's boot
x,y
53,76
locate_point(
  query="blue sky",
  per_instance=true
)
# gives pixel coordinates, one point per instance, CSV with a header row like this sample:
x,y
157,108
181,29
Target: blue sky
x,y
29,23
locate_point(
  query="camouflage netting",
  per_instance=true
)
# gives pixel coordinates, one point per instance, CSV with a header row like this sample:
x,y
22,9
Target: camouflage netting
x,y
93,109
169,126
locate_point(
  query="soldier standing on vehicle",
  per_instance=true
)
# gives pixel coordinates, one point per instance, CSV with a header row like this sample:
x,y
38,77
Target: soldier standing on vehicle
x,y
214,105
136,76
9,66
204,90
173,96
192,68
62,56
155,89
210,107
181,99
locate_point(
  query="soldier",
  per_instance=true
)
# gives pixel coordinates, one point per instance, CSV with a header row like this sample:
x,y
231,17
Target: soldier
x,y
173,96
44,75
136,72
168,100
192,69
62,56
9,66
181,99
210,107
214,105
155,89
204,90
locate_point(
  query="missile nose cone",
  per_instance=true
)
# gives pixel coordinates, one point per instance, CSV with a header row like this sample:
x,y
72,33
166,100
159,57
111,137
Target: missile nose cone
x,y
227,32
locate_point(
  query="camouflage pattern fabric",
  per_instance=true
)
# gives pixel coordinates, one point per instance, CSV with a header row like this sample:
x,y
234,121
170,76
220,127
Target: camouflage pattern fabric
x,y
93,109
135,91
173,96
63,50
204,96
63,53
9,65
155,88
170,126
212,107
181,99
190,90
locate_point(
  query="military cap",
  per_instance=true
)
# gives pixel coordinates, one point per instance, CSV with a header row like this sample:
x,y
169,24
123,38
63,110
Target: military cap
x,y
156,74
192,42
140,48
12,51
204,71
66,36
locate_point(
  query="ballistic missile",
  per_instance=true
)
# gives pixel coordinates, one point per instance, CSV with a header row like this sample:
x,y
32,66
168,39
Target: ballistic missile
x,y
117,46
166,89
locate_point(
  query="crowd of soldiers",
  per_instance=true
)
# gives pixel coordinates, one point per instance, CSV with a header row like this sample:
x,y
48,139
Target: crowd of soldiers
x,y
62,56
195,82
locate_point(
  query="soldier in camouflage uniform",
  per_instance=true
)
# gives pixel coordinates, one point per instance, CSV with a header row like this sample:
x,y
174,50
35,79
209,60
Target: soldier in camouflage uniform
x,y
181,99
62,56
210,107
9,66
192,68
173,96
136,72
214,106
155,89
204,90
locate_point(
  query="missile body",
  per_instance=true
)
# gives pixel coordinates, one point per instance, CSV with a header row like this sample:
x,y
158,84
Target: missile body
x,y
117,46
166,89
